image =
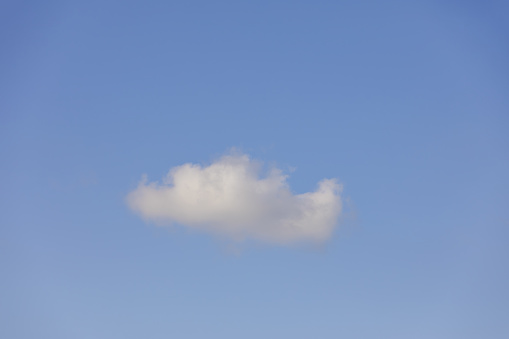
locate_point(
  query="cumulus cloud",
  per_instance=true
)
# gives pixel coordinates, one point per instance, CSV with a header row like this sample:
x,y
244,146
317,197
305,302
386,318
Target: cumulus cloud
x,y
230,197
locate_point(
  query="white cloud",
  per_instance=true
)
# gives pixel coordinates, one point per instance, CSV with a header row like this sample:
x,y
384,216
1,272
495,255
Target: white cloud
x,y
229,197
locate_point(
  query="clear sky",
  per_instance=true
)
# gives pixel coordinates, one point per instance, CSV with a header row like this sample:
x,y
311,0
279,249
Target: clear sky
x,y
405,103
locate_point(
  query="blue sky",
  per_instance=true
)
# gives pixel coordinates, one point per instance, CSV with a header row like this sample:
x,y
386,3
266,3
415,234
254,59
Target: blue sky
x,y
405,103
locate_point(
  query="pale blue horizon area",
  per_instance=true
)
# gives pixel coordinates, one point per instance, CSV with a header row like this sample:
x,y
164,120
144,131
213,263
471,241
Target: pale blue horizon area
x,y
406,103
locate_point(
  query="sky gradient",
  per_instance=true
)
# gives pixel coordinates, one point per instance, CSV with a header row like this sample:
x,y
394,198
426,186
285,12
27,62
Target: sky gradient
x,y
405,103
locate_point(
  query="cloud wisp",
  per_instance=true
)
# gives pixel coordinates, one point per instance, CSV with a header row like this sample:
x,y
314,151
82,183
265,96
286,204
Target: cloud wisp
x,y
230,197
